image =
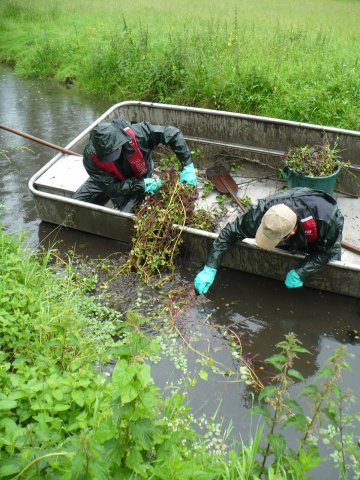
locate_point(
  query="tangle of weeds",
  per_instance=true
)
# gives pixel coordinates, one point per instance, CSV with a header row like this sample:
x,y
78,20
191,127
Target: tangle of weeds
x,y
157,236
247,370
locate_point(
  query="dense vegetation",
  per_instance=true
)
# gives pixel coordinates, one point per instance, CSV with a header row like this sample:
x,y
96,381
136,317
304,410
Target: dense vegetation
x,y
297,61
77,400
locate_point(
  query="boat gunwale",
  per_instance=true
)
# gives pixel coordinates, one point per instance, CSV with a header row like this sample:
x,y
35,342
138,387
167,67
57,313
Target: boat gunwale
x,y
130,103
279,121
37,193
191,230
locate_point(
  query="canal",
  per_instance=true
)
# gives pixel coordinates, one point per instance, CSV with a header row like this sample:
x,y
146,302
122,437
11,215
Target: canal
x,y
261,311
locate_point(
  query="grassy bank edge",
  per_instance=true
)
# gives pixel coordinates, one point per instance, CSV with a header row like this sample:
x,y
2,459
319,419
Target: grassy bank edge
x,y
300,74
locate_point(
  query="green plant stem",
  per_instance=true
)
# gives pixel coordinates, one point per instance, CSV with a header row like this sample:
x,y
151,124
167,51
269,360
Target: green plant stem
x,y
341,428
177,239
338,361
274,422
38,459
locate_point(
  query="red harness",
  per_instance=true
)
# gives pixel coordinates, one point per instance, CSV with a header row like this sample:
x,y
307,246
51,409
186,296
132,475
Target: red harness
x,y
310,229
136,160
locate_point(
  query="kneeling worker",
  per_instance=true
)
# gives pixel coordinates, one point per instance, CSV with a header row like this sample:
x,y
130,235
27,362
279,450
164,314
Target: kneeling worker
x,y
299,220
118,161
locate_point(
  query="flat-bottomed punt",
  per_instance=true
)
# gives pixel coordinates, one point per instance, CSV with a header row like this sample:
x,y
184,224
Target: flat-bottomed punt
x,y
256,144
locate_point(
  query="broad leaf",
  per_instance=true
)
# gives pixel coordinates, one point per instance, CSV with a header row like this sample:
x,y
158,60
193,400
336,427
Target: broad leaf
x,y
128,393
7,404
295,374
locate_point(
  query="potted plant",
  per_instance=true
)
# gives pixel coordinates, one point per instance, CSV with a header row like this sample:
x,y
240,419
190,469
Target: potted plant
x,y
315,167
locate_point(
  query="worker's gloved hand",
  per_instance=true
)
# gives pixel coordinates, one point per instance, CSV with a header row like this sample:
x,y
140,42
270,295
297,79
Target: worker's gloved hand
x,y
151,185
188,175
204,279
293,280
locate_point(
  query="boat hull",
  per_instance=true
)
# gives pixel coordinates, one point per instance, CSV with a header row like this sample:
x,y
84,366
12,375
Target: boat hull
x,y
256,139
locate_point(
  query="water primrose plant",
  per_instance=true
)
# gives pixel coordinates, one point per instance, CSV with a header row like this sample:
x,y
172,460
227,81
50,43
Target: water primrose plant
x,y
74,407
314,161
4,152
157,238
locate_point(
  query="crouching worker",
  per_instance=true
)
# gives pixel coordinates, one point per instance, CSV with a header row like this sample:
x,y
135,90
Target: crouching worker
x,y
299,220
118,161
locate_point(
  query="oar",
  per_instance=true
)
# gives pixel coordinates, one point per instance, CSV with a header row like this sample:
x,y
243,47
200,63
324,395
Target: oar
x,y
35,139
224,182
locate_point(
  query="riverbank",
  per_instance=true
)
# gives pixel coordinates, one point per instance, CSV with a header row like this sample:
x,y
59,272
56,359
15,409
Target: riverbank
x,y
78,399
75,402
291,66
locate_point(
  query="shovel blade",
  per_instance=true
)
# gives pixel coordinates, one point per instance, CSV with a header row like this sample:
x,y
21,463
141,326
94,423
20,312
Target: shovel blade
x,y
221,178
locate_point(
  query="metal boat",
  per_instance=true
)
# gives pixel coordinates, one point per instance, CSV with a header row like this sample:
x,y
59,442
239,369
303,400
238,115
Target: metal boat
x,y
256,145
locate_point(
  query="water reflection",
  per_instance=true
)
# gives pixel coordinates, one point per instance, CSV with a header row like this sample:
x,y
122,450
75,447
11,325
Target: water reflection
x,y
264,310
45,110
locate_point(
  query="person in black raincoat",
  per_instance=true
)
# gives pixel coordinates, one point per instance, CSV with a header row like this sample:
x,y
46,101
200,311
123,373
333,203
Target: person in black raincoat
x,y
118,161
299,220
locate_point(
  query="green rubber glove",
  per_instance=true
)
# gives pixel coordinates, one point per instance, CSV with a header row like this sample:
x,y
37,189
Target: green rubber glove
x,y
204,279
293,280
188,175
152,185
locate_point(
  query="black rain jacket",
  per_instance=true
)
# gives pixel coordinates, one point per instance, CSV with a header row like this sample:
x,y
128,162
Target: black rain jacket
x,y
305,202
147,137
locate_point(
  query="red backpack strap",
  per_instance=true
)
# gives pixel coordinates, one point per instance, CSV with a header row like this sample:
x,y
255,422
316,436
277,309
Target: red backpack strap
x,y
310,229
108,167
136,160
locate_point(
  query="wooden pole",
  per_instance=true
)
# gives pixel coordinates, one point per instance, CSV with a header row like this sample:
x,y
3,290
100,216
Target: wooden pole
x,y
351,247
39,140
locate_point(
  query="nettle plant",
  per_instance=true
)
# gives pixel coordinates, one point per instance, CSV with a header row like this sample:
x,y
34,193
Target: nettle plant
x,y
78,401
315,161
324,419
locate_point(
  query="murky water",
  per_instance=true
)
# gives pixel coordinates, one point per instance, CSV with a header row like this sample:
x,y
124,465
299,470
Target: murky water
x,y
45,110
259,310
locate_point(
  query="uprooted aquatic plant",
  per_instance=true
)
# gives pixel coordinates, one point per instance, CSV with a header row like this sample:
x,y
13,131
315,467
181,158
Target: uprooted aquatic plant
x,y
315,161
157,236
4,152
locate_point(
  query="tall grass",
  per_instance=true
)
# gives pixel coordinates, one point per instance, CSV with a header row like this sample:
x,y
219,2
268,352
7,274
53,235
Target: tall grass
x,y
301,63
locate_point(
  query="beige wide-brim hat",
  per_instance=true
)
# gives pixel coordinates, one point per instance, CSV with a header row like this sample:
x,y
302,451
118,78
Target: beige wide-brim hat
x,y
276,224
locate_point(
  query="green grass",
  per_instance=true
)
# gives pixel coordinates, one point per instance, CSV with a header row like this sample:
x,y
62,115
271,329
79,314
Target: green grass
x,y
340,16
293,60
235,59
